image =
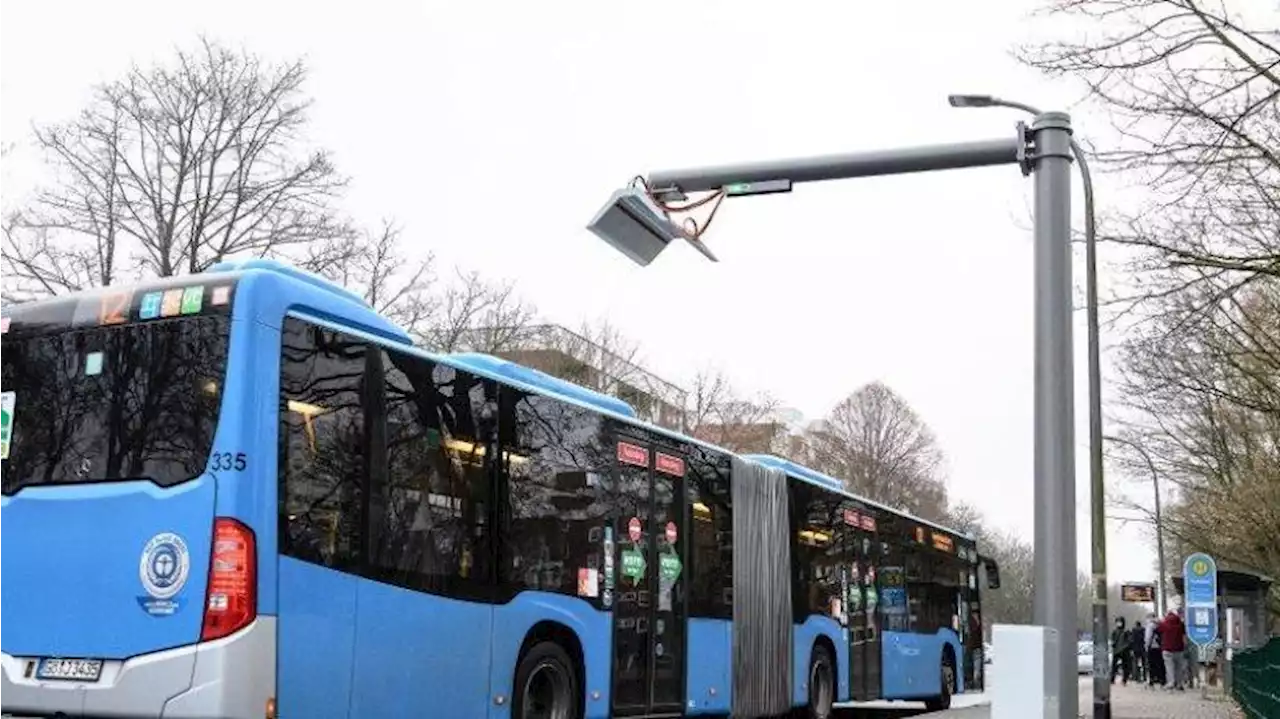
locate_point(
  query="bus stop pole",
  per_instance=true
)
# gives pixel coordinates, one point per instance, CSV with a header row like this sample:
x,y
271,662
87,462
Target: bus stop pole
x,y
1045,151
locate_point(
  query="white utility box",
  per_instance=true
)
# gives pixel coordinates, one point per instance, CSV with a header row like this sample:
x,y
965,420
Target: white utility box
x,y
1026,680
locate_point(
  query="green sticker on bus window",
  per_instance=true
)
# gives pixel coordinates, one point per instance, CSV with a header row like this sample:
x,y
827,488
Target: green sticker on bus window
x,y
633,564
192,300
7,401
669,567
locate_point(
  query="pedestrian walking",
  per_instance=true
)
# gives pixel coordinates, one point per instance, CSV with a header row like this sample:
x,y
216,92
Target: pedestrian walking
x,y
1138,650
1121,657
1155,659
1173,632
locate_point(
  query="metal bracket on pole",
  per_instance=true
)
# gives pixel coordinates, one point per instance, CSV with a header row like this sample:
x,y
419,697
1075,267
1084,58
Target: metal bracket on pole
x,y
1026,153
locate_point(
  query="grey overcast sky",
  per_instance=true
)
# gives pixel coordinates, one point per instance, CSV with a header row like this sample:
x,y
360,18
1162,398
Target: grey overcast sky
x,y
494,130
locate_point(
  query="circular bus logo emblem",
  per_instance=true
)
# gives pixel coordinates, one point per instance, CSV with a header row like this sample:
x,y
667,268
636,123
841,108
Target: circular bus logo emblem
x,y
165,565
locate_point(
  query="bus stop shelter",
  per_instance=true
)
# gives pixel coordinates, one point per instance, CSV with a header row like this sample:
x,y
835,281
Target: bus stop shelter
x,y
1242,620
1242,600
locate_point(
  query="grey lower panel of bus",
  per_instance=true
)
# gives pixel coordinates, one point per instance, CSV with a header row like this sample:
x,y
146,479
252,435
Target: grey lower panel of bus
x,y
230,678
761,591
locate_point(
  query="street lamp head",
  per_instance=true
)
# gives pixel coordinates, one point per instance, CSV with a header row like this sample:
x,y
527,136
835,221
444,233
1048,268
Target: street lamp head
x,y
632,224
970,100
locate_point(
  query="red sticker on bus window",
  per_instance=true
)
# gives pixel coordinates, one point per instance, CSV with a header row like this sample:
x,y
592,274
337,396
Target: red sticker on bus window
x,y
851,518
633,454
633,529
868,523
667,464
671,533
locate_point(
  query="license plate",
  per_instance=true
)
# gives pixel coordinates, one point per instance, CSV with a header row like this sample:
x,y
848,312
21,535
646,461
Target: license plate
x,y
82,670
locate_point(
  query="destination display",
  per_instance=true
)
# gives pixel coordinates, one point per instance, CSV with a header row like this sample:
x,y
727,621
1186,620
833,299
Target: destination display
x,y
1137,592
166,299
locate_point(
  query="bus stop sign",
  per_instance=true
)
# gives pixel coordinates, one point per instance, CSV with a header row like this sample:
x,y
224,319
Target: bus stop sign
x,y
1200,577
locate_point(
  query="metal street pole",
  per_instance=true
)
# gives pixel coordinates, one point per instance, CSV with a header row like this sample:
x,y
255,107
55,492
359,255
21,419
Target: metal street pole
x,y
839,167
1054,602
1101,672
1045,151
1155,486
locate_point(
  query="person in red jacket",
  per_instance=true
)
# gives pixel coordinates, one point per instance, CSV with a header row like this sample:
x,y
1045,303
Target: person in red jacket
x,y
1172,644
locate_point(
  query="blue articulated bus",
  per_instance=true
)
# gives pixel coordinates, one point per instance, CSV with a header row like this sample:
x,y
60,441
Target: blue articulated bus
x,y
244,494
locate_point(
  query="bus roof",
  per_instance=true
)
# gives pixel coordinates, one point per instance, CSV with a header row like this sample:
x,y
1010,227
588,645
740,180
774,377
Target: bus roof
x,y
812,476
549,384
332,305
532,380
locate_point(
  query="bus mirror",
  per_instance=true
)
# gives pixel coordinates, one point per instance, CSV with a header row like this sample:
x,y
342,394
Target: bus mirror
x,y
993,573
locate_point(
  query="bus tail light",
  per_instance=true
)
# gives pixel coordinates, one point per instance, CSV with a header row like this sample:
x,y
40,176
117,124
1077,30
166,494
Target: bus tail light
x,y
232,601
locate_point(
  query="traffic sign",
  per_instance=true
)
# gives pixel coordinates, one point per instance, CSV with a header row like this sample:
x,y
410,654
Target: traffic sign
x,y
1200,582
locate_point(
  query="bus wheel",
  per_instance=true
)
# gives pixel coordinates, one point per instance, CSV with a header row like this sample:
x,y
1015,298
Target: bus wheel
x,y
546,684
822,683
943,701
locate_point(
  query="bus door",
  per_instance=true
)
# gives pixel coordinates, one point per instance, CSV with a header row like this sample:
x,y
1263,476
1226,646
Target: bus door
x,y
970,630
865,655
644,583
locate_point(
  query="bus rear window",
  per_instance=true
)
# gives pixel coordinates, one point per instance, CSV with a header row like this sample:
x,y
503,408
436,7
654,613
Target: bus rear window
x,y
130,401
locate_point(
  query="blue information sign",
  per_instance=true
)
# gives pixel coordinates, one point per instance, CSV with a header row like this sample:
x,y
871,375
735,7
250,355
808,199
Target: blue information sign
x,y
1200,580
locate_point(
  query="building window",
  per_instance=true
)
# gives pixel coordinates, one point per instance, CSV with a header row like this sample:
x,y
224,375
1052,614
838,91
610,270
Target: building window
x,y
323,457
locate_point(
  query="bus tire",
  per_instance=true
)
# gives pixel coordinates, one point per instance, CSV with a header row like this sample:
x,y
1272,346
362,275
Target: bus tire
x,y
822,683
547,684
942,702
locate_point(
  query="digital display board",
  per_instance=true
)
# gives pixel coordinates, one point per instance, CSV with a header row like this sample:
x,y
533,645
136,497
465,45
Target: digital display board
x,y
170,298
1137,592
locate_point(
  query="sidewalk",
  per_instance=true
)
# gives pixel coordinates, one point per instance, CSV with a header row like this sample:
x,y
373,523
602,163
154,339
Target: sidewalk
x,y
1138,702
1130,702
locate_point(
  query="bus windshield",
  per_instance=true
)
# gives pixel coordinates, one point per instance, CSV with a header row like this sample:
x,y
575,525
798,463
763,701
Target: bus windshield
x,y
127,401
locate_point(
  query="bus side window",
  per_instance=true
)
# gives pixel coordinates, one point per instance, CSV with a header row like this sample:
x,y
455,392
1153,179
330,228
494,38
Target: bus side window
x,y
711,542
322,457
556,488
430,529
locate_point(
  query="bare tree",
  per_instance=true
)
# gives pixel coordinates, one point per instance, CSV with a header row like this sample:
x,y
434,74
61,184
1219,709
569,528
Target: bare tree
x,y
603,346
374,265
720,415
1204,397
880,447
1011,603
1194,90
463,313
475,314
172,169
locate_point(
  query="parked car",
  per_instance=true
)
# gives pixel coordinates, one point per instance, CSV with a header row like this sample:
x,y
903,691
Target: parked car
x,y
1084,657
